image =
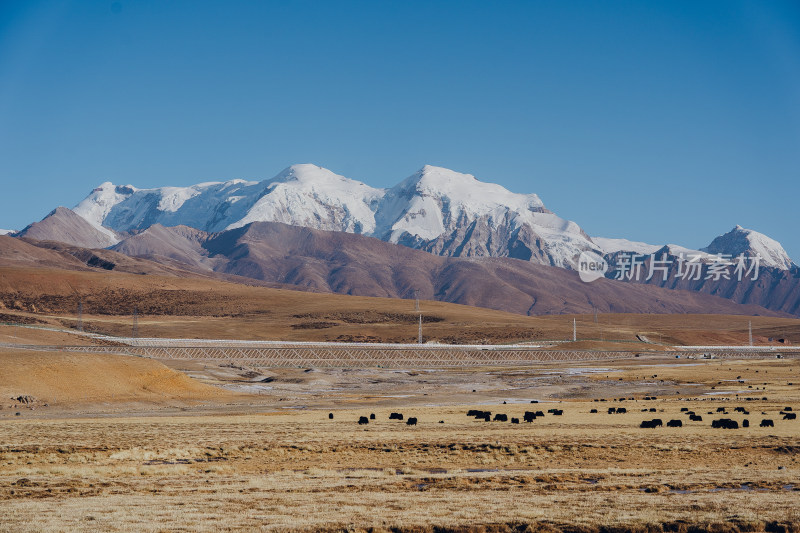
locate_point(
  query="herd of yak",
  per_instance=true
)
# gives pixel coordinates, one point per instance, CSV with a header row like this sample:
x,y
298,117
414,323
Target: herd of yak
x,y
720,423
530,416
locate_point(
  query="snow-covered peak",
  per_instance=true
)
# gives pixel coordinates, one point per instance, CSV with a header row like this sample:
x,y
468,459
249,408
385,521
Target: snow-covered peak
x,y
96,207
434,199
737,241
751,243
436,203
611,246
311,196
466,190
6,231
315,179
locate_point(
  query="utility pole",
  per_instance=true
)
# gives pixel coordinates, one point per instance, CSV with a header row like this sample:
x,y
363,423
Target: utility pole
x,y
80,315
135,322
750,331
574,330
417,309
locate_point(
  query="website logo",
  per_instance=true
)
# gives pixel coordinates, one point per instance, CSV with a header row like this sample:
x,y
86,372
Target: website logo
x,y
591,267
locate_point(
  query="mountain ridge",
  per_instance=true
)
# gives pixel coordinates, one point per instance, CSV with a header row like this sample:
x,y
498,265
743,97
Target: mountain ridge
x,y
428,210
438,210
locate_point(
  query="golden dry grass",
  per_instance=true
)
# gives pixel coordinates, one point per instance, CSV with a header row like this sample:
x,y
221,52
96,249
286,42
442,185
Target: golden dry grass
x,y
260,467
64,379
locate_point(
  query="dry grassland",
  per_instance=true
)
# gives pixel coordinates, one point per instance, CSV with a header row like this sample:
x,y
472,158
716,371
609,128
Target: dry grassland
x,y
226,465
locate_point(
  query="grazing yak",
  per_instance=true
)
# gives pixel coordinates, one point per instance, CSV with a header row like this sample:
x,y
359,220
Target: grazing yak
x,y
372,416
396,416
330,416
593,411
725,423
655,423
515,420
695,418
767,423
485,415
500,417
363,420
674,424
412,421
530,416
790,416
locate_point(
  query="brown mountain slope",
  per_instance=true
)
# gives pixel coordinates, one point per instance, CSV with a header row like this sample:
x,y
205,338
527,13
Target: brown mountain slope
x,y
63,225
15,252
23,253
180,243
773,288
352,264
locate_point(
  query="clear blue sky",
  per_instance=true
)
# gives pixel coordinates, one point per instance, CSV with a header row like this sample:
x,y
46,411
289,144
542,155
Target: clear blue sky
x,y
658,121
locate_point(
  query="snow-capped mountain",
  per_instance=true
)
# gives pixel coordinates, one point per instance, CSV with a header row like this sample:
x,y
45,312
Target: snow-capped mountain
x,y
435,209
454,214
751,243
301,195
737,241
6,231
314,197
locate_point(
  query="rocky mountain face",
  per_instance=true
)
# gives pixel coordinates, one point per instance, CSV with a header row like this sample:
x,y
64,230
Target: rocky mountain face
x,y
751,244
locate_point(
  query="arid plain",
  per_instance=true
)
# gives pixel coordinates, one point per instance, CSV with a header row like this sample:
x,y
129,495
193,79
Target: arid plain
x,y
117,443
